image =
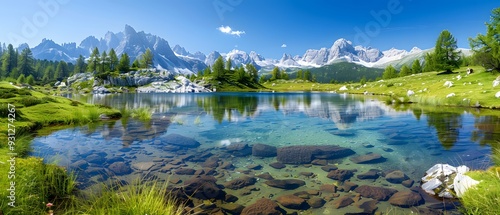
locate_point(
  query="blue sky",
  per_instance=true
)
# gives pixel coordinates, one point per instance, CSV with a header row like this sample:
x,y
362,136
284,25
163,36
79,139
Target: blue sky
x,y
264,26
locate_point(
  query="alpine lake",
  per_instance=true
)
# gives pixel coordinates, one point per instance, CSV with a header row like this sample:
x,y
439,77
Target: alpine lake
x,y
319,147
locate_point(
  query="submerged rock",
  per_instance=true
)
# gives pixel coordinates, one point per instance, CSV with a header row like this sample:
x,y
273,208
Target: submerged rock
x,y
263,150
182,141
368,158
371,174
277,165
292,202
396,177
306,154
406,199
240,182
341,202
378,193
203,187
263,206
287,184
340,174
120,168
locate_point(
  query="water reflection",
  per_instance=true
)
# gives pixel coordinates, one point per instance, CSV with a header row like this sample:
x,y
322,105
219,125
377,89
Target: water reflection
x,y
343,111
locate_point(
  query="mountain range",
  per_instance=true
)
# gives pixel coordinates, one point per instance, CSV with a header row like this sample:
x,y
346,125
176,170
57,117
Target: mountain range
x,y
179,60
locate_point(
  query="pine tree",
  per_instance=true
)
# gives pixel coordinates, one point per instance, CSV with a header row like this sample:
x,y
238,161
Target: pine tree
x,y
275,74
390,72
229,64
241,74
446,57
207,71
94,60
9,61
487,47
21,79
252,72
405,71
30,80
284,75
26,60
416,67
124,64
62,71
48,74
147,59
218,68
104,63
307,76
80,66
113,60
300,75
136,63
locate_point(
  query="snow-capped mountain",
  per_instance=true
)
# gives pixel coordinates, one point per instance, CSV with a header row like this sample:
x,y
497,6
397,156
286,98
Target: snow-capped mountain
x,y
129,41
178,59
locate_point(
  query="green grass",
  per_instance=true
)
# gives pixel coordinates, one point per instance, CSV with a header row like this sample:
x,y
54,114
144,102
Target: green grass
x,y
143,114
37,183
484,198
140,198
428,87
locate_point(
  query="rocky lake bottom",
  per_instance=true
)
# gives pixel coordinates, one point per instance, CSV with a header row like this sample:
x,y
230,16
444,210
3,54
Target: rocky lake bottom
x,y
277,162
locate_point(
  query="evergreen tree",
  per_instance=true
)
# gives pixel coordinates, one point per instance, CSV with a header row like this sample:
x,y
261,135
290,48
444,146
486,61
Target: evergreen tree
x,y
21,79
26,61
252,72
229,64
307,76
30,80
487,47
218,68
80,66
9,61
62,71
147,59
275,74
136,63
207,71
94,60
104,63
390,72
124,64
429,62
284,75
446,57
48,74
405,71
113,60
416,67
241,74
300,75
362,81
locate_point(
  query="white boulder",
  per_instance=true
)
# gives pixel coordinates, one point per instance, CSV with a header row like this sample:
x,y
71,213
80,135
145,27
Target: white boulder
x,y
447,181
448,84
496,83
459,77
343,88
450,95
410,93
497,95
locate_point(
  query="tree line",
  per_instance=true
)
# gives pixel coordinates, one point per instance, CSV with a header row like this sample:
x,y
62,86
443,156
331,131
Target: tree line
x,y
24,68
486,53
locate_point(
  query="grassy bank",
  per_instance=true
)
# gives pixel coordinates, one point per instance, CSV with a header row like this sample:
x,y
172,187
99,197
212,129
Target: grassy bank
x,y
28,181
467,90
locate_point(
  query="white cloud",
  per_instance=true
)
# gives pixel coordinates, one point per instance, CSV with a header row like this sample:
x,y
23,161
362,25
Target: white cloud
x,y
283,46
228,30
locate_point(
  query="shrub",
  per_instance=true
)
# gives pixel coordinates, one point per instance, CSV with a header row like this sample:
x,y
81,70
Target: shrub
x,y
30,101
48,99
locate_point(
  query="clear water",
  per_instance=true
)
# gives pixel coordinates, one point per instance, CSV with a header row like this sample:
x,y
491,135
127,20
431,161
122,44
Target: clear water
x,y
412,140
